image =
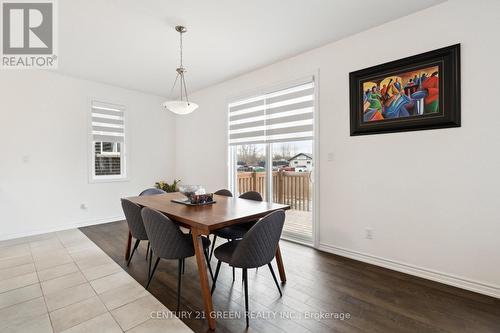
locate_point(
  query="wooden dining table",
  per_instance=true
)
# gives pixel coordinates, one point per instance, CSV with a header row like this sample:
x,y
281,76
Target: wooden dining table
x,y
203,220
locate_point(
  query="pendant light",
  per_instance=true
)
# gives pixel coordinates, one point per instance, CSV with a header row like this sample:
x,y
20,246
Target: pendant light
x,y
182,105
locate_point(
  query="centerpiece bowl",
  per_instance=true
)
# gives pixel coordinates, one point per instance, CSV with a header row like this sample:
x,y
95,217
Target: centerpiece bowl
x,y
196,194
190,190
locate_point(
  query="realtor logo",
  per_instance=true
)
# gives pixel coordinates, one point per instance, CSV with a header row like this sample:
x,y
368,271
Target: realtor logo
x,y
28,32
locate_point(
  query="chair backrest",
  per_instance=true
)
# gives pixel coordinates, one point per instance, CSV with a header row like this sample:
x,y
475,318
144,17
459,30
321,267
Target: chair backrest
x,y
166,239
252,195
258,246
224,192
134,219
152,191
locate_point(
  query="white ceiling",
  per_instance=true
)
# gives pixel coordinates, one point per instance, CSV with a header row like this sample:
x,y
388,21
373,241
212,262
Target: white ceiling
x,y
132,44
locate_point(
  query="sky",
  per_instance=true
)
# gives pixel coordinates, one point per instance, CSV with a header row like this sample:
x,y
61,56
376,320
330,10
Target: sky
x,y
294,147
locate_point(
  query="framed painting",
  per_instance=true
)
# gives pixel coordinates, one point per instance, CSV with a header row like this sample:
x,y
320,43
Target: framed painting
x,y
415,93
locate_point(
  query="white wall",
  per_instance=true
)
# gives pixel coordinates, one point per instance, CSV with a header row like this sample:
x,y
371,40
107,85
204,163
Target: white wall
x,y
431,197
44,151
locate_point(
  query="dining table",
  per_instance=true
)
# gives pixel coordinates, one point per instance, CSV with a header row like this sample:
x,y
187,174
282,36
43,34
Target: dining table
x,y
204,220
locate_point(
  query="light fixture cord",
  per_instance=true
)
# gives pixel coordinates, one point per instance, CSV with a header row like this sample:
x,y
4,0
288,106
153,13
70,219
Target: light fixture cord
x,y
183,79
180,33
180,56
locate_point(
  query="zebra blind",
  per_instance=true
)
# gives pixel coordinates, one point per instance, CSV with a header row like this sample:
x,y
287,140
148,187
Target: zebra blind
x,y
107,122
284,115
108,136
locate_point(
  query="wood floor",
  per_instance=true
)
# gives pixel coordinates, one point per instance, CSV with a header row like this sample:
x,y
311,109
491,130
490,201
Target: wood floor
x,y
377,299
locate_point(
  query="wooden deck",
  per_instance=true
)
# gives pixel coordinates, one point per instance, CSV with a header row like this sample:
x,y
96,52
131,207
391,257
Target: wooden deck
x,y
290,188
298,223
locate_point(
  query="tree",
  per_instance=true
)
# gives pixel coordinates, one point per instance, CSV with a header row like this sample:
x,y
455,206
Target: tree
x,y
249,154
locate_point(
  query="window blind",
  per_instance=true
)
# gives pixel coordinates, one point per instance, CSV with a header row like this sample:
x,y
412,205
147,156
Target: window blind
x,y
284,115
107,122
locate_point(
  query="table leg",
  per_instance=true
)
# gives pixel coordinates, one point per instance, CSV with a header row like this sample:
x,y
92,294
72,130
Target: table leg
x,y
129,244
279,262
202,271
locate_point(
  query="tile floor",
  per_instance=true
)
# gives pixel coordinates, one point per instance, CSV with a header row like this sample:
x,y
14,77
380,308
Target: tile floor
x,y
63,282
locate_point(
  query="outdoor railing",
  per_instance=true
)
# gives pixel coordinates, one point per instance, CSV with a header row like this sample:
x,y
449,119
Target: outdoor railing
x,y
289,187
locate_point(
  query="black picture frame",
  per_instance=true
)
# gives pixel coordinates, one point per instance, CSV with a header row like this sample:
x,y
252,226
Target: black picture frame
x,y
448,60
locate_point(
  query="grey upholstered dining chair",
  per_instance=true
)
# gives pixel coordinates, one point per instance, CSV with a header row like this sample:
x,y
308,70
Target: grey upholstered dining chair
x,y
229,233
133,216
224,192
152,191
169,242
256,249
134,220
250,195
236,231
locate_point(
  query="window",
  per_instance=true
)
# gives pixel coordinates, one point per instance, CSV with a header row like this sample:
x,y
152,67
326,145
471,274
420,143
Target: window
x,y
108,142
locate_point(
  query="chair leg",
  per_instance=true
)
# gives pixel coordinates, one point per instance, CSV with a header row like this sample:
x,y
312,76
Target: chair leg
x,y
274,277
179,279
153,272
183,265
234,274
245,278
213,247
147,251
216,275
133,251
208,265
149,262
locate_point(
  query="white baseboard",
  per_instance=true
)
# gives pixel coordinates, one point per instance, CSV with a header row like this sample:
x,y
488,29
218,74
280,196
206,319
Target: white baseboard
x,y
452,280
72,225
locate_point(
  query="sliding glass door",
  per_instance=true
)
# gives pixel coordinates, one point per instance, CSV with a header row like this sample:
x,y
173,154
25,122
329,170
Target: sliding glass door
x,y
271,139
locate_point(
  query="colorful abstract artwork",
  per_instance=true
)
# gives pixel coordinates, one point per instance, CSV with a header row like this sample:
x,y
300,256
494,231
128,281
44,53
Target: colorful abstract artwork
x,y
419,92
408,94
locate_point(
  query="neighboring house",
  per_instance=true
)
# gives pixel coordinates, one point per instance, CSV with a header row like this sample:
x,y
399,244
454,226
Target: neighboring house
x,y
301,162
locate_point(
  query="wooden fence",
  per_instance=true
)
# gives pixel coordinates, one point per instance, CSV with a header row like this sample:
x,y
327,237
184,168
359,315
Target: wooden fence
x,y
291,188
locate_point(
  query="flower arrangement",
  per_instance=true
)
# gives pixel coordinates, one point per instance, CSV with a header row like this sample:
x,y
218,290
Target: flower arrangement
x,y
168,187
